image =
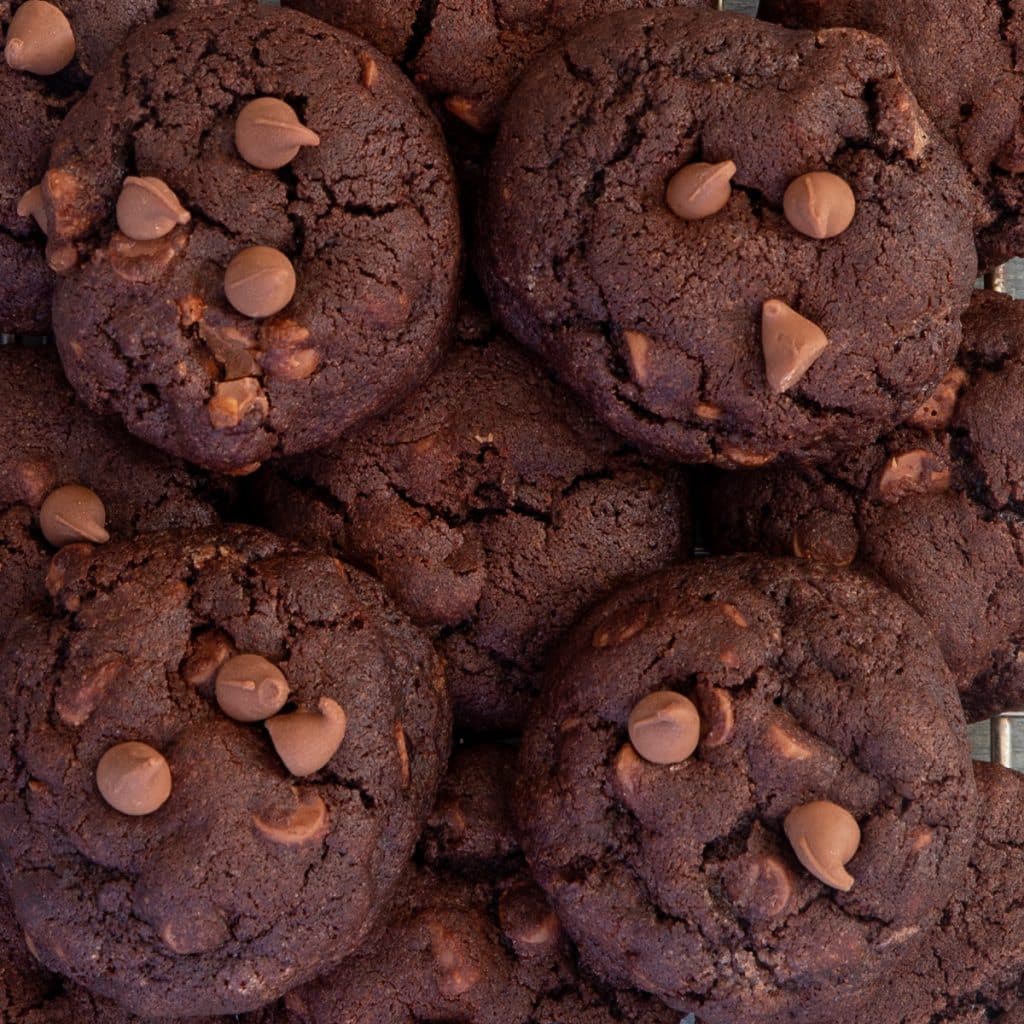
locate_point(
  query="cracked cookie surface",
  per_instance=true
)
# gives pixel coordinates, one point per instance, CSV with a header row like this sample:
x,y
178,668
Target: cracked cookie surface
x,y
465,55
367,218
34,106
471,938
811,684
51,440
494,510
655,320
248,880
934,509
961,61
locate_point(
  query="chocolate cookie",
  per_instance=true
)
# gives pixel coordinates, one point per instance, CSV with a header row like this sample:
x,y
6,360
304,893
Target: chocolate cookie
x,y
51,51
30,994
747,789
218,753
734,241
493,509
468,56
51,442
256,222
961,61
482,948
934,509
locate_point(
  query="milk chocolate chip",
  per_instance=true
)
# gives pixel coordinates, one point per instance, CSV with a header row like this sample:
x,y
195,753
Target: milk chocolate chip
x,y
39,39
134,778
700,190
260,281
913,472
147,209
73,514
791,344
31,205
819,204
824,836
664,727
305,822
306,740
269,134
250,688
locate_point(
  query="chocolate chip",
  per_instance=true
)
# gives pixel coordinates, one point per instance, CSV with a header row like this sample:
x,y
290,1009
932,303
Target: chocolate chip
x,y
134,778
717,714
457,974
306,740
791,344
820,204
290,364
403,753
936,412
639,346
147,209
913,472
250,688
39,39
760,886
304,822
72,514
235,401
259,281
31,205
700,190
468,111
208,651
78,699
824,836
664,727
527,918
269,134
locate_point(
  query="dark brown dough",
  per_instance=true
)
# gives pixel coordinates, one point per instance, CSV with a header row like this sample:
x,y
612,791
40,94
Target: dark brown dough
x,y
368,218
247,881
655,321
495,511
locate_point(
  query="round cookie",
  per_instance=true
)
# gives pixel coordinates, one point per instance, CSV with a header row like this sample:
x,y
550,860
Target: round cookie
x,y
494,510
481,947
811,685
51,441
258,872
961,61
933,509
468,56
33,107
732,338
365,215
30,994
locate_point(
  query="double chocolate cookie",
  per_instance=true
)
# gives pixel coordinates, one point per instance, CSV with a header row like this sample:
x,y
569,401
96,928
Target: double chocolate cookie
x,y
934,509
255,220
51,50
747,788
218,753
464,55
736,242
494,510
961,61
479,944
53,447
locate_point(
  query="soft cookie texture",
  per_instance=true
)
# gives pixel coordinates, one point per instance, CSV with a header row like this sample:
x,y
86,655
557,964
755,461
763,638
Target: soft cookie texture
x,y
494,510
30,994
367,219
51,441
657,321
248,879
812,685
934,509
33,107
961,61
465,55
471,938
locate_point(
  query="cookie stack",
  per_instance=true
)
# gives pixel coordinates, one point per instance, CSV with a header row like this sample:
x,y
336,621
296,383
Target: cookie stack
x,y
370,648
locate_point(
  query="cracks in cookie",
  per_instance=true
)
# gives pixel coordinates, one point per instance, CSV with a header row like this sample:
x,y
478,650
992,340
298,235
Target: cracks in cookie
x,y
420,31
